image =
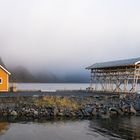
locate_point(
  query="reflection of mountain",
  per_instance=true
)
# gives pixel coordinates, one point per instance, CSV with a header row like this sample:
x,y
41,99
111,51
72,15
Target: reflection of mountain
x,y
4,126
125,127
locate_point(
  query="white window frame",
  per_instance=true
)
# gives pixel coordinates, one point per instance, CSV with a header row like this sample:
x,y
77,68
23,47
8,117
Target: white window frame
x,y
1,80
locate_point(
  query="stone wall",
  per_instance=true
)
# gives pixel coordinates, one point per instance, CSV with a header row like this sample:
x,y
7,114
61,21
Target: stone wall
x,y
46,107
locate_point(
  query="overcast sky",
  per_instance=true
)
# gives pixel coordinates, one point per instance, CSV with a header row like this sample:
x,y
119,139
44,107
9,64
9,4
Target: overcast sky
x,y
68,35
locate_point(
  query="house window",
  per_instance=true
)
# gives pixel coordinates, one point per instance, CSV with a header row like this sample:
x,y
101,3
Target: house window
x,y
0,80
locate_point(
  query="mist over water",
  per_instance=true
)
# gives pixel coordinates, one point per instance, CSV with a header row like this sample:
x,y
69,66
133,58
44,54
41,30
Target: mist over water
x,y
64,37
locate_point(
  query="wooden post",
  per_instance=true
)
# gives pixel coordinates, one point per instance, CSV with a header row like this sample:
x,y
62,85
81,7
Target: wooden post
x,y
111,79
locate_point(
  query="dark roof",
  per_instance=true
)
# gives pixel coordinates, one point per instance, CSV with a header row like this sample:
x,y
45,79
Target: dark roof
x,y
119,63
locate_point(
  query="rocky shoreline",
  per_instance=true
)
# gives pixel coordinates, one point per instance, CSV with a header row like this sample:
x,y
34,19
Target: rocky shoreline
x,y
105,107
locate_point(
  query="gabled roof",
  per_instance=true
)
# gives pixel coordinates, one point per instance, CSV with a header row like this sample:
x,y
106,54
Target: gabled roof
x,y
119,63
5,70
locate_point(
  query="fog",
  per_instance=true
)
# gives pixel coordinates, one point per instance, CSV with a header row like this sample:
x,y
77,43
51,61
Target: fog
x,y
65,36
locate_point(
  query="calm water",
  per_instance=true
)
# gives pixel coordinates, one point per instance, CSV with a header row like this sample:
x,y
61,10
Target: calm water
x,y
115,129
57,86
52,86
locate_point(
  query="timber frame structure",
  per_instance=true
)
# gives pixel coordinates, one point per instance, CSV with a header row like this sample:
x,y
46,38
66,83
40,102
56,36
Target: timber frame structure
x,y
115,76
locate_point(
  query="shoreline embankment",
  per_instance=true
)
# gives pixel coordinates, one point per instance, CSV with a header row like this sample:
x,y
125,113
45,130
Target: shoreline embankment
x,y
53,106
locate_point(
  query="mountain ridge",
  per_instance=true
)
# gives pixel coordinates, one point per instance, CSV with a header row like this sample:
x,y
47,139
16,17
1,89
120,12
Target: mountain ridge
x,y
21,74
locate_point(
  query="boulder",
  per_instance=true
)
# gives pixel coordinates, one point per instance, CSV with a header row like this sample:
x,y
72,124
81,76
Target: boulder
x,y
14,113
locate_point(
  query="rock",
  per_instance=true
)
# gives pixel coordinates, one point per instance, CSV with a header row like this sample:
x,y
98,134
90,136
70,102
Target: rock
x,y
73,114
120,112
113,111
79,113
94,112
137,106
85,113
4,113
60,114
35,113
55,111
88,109
14,113
132,110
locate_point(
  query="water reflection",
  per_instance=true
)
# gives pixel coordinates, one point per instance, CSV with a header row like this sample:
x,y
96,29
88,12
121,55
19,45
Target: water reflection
x,y
125,127
4,126
58,130
97,129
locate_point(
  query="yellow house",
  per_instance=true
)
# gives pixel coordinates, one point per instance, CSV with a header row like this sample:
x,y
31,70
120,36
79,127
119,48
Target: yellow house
x,y
4,79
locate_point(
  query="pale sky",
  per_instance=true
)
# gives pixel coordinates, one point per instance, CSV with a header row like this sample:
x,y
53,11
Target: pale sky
x,y
68,35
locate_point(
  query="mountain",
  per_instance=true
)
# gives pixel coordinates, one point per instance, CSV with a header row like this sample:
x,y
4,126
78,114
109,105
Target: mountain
x,y
76,78
47,77
22,74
